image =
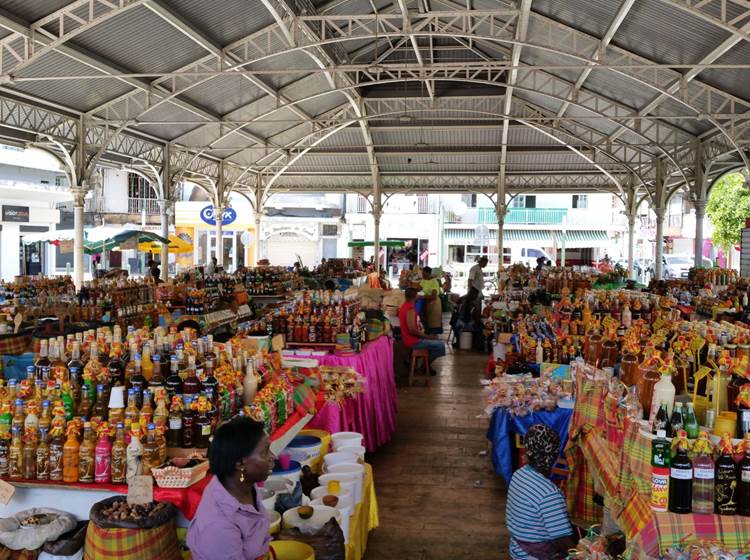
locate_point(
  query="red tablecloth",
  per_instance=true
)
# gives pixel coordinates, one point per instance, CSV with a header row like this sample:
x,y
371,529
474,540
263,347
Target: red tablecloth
x,y
372,413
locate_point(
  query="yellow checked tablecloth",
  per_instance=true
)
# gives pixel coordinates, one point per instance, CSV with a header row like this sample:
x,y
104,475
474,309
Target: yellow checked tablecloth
x,y
363,520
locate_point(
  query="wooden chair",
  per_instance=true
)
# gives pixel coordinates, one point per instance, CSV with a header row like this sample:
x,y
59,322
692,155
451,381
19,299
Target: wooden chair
x,y
424,355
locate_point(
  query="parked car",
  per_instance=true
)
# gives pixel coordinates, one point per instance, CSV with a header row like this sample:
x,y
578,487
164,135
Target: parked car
x,y
678,266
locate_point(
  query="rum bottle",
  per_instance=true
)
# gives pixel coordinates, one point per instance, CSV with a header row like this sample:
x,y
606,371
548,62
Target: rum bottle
x,y
119,457
681,478
15,455
42,455
86,453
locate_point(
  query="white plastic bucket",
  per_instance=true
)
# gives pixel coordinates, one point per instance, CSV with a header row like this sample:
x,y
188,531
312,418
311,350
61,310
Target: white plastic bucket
x,y
348,482
321,515
465,340
357,450
351,469
331,459
343,439
346,498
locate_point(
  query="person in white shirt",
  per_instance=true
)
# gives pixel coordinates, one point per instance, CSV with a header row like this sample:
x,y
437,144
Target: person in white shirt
x,y
476,277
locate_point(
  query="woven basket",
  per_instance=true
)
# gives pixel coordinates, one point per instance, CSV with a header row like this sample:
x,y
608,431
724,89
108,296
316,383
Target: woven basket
x,y
175,477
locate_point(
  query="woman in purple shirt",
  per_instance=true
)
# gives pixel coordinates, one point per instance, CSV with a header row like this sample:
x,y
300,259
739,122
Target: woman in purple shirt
x,y
231,522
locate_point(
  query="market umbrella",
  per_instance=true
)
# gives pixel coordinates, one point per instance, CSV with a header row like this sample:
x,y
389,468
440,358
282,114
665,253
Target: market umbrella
x,y
176,245
106,238
384,243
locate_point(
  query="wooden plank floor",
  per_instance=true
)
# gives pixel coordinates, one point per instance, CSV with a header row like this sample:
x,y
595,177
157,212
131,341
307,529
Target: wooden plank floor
x,y
439,498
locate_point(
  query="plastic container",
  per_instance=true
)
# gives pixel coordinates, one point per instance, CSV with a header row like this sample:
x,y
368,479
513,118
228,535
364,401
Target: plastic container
x,y
466,340
357,450
292,550
349,483
338,457
664,391
293,473
308,444
346,498
302,457
351,469
321,515
342,439
274,518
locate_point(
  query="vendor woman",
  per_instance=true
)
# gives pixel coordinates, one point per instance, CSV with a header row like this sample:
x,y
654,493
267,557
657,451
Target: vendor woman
x,y
432,309
231,522
535,512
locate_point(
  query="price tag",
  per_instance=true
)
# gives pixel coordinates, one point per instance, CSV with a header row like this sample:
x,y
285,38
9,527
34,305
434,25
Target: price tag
x,y
277,343
140,490
6,492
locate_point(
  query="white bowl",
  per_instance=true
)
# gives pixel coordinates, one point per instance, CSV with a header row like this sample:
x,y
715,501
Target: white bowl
x,y
331,459
342,439
348,482
321,516
354,469
357,450
274,518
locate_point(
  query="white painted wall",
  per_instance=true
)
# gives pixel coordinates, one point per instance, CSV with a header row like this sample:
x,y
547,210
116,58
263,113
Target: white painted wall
x,y
115,190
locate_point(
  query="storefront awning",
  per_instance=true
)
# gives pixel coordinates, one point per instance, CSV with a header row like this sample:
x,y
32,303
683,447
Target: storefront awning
x,y
573,238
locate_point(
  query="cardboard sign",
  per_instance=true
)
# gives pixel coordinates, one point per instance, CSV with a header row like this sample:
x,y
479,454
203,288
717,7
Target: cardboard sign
x,y
6,492
140,490
277,343
66,246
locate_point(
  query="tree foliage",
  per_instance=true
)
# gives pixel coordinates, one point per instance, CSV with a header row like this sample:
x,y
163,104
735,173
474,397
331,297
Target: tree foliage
x,y
728,208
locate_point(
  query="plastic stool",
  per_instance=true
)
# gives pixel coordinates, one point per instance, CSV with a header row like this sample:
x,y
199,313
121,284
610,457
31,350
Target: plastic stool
x,y
416,354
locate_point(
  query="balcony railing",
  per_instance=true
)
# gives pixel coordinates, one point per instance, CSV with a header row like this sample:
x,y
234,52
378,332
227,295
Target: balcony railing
x,y
523,216
137,205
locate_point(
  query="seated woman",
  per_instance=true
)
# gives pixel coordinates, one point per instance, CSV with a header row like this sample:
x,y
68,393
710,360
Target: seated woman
x,y
535,511
469,318
412,334
231,522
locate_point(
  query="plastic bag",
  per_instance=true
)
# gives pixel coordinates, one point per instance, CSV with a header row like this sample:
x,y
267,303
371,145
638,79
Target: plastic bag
x,y
328,542
47,556
15,537
161,517
69,543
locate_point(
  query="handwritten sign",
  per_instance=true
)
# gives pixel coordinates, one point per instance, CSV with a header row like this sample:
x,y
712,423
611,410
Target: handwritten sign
x,y
140,490
6,492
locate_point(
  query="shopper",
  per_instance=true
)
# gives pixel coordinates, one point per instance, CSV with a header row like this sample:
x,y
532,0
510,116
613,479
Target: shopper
x,y
468,317
535,512
412,334
476,277
432,308
212,265
231,522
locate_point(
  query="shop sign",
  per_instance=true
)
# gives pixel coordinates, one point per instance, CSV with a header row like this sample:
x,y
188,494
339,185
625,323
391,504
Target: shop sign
x,y
15,213
208,216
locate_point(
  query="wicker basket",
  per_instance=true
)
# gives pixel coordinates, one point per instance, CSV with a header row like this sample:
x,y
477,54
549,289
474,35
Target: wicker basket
x,y
175,477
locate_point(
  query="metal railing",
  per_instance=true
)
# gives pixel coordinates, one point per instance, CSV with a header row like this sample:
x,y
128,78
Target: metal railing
x,y
137,205
524,216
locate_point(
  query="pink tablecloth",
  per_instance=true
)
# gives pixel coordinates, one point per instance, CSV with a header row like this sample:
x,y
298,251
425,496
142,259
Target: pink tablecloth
x,y
372,413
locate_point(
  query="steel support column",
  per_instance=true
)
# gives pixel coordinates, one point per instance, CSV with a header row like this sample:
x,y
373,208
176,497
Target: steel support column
x,y
631,243
659,249
79,193
164,212
700,214
377,212
219,217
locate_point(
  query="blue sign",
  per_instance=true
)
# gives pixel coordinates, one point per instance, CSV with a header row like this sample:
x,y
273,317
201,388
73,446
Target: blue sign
x,y
207,215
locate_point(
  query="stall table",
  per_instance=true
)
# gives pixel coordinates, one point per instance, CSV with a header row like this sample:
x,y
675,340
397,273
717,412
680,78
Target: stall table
x,y
373,412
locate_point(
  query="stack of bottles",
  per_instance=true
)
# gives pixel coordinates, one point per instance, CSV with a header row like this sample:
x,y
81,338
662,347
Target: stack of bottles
x,y
268,280
316,316
692,477
91,402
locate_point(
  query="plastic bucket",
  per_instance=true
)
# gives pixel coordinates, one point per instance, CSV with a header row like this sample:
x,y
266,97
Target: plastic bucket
x,y
346,498
465,340
291,550
308,444
342,439
357,450
338,457
293,473
349,483
354,469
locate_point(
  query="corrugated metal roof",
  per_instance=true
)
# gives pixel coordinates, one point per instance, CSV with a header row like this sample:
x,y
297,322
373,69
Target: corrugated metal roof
x,y
590,16
667,34
81,95
439,163
141,41
732,81
224,94
225,21
33,10
333,163
294,60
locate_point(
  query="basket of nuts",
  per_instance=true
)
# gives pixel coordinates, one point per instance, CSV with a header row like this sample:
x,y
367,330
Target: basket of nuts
x,y
180,473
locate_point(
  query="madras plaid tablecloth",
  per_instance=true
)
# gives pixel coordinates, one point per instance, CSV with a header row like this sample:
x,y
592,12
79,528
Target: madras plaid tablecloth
x,y
667,529
604,464
635,464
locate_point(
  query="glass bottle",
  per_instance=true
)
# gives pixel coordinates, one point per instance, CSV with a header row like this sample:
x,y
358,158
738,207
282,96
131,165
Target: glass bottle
x,y
161,444
150,451
676,422
161,413
86,405
4,453
691,422
71,455
743,484
100,409
188,423
43,360
56,452
202,426
31,422
119,460
103,459
726,479
157,380
68,402
174,433
116,368
29,456
18,417
131,411
6,419
192,385
86,453
58,368
15,455
703,476
138,382
681,479
174,381
42,455
147,409
661,420
134,453
146,364
75,371
210,383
